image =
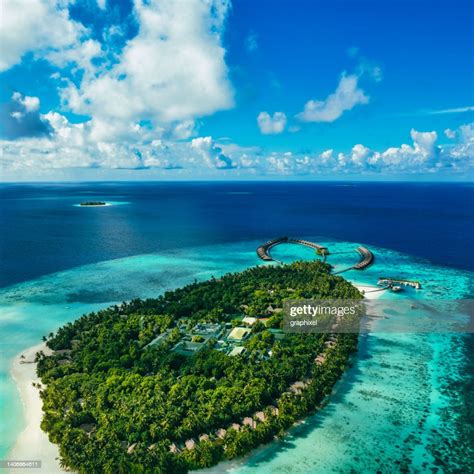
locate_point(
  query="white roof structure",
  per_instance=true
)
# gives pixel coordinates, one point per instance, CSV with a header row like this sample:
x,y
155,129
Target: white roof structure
x,y
249,320
237,351
238,333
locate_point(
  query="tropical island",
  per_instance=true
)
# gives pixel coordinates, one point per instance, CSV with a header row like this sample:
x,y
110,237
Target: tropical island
x,y
198,375
93,203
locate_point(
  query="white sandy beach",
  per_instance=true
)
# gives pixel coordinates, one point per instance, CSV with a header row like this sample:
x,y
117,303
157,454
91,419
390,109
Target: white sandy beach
x,y
368,291
32,444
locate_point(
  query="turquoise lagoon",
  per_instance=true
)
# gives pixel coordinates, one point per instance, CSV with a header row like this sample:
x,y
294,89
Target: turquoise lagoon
x,y
403,405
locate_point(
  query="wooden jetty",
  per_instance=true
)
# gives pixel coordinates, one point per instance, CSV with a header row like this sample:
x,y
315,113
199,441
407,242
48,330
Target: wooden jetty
x,y
388,281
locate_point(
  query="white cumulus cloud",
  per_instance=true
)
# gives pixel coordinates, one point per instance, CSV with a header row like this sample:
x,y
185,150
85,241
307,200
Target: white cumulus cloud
x,y
347,95
35,25
421,154
212,153
70,146
173,70
271,125
31,104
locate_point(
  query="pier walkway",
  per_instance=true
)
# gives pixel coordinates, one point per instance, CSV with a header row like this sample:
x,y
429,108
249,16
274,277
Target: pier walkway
x,y
319,248
367,258
264,250
399,281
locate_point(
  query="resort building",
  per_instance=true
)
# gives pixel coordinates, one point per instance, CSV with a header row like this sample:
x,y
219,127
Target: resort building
x,y
190,444
239,350
250,422
249,320
297,387
238,334
273,410
320,359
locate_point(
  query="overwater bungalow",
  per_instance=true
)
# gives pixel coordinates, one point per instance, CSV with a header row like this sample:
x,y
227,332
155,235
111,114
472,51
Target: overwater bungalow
x,y
367,258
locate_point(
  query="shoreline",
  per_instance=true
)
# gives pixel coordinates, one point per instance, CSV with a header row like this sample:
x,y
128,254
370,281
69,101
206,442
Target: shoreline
x,y
231,465
32,444
368,290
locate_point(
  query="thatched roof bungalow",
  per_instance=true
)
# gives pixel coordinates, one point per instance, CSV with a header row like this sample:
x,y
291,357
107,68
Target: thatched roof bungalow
x,y
250,422
190,444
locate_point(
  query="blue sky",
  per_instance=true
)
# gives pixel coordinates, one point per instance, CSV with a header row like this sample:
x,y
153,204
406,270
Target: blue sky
x,y
108,89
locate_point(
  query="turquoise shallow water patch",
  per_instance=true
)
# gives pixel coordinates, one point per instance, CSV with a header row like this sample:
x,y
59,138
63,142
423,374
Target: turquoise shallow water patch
x,y
34,308
401,405
384,411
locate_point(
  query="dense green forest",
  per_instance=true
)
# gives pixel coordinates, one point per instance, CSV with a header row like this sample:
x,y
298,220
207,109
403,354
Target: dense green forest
x,y
120,396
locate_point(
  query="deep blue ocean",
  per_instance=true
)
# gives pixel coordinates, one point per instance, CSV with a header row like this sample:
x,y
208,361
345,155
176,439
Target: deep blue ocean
x,y
43,232
406,401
